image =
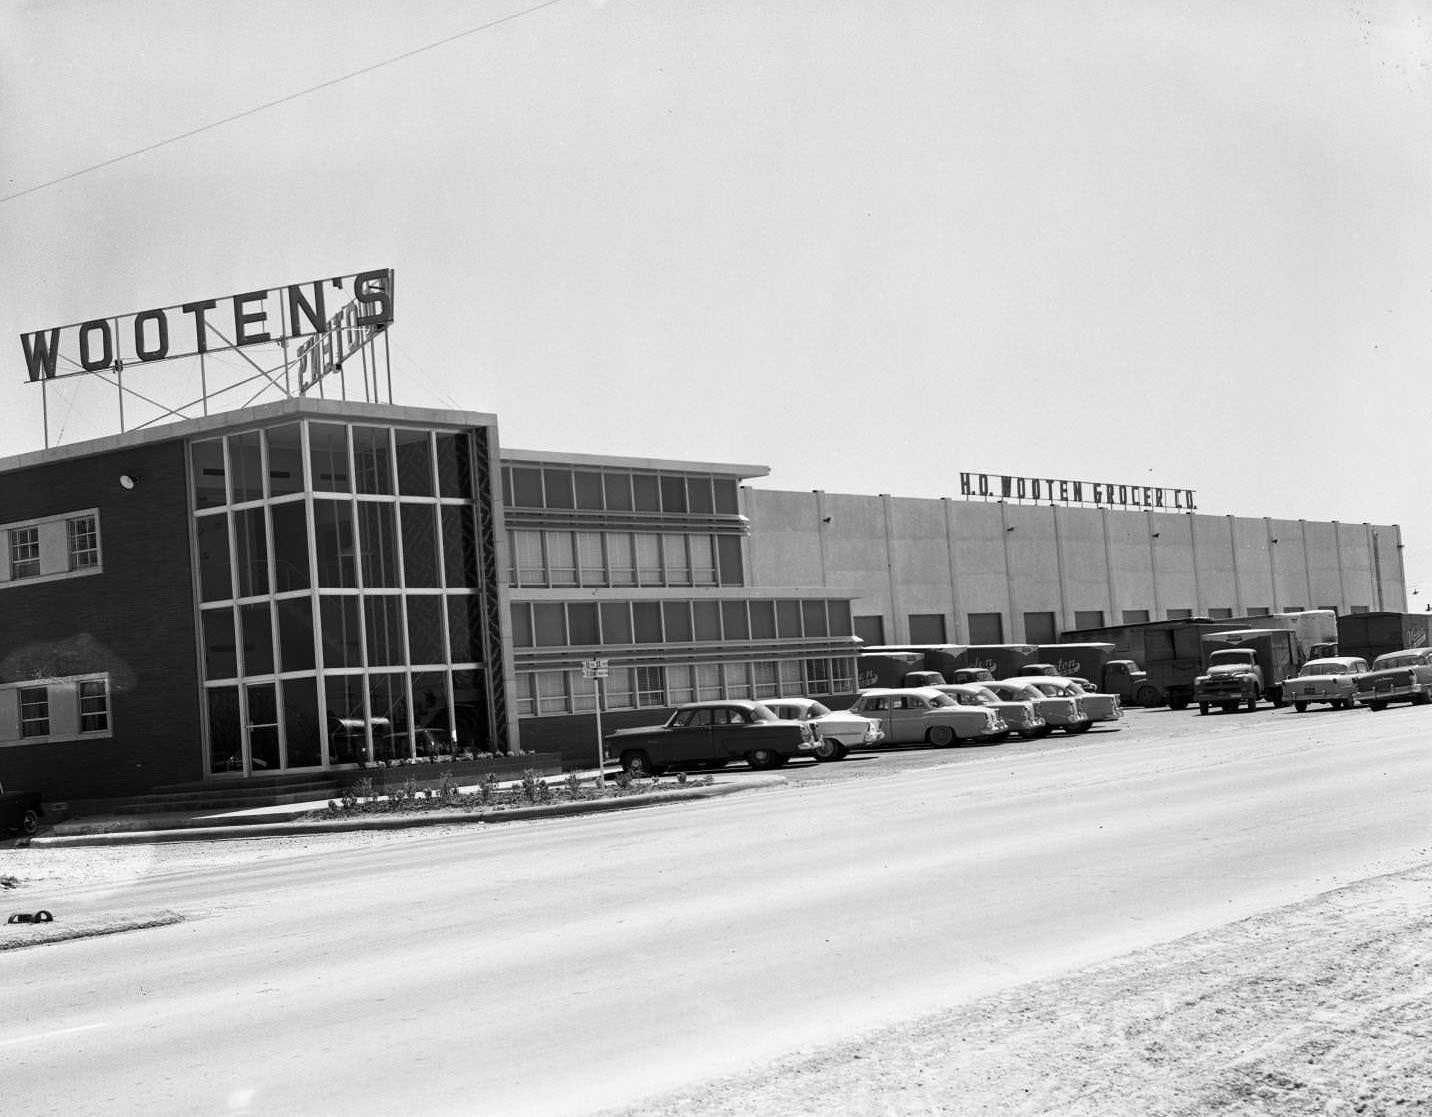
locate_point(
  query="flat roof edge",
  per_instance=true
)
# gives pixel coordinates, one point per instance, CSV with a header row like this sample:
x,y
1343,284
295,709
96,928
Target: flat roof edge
x,y
303,406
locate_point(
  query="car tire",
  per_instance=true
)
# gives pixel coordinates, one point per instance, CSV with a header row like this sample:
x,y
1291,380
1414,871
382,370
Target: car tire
x,y
30,822
1348,703
1253,702
638,763
1377,705
1081,727
1203,707
1422,698
761,759
1149,697
828,749
941,736
1034,734
1301,707
996,738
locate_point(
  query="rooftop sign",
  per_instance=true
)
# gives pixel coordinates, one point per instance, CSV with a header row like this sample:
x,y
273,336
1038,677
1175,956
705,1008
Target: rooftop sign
x,y
273,316
1051,490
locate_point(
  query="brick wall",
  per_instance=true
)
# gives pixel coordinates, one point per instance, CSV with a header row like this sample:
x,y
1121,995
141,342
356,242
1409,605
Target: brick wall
x,y
135,620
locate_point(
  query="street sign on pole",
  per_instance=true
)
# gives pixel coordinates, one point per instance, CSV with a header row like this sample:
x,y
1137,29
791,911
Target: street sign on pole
x,y
598,669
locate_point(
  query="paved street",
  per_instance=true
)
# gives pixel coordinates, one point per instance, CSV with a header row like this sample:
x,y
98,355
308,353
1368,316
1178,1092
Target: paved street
x,y
561,967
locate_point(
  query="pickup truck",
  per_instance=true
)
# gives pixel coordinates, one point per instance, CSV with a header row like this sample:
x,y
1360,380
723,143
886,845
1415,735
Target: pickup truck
x,y
20,810
711,735
1404,676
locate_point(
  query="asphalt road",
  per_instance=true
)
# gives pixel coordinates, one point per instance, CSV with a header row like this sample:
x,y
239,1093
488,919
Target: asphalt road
x,y
562,967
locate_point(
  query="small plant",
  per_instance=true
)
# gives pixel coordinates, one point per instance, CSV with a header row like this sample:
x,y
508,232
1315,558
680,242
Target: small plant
x,y
574,786
487,788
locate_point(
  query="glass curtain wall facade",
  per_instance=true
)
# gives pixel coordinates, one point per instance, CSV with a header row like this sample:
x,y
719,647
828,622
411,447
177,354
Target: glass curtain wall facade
x,y
344,580
599,554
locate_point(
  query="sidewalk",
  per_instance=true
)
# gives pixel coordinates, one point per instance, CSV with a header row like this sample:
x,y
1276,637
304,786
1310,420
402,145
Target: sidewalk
x,y
288,818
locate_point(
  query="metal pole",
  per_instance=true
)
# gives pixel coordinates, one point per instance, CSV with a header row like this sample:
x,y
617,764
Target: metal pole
x,y
601,746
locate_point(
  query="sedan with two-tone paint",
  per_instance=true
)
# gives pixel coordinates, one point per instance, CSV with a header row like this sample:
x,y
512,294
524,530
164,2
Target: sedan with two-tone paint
x,y
916,715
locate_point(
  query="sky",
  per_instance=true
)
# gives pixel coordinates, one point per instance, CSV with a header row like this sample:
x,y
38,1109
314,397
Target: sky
x,y
870,245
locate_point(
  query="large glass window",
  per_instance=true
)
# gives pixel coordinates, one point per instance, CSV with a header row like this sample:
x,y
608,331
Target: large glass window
x,y
464,637
302,723
328,452
384,616
373,460
215,573
207,460
333,535
455,465
221,653
226,730
285,459
616,622
420,544
425,628
290,547
459,545
295,634
258,638
378,538
342,632
413,451
251,547
246,461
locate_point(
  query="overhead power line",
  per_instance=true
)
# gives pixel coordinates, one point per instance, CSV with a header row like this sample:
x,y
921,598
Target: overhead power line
x,y
282,100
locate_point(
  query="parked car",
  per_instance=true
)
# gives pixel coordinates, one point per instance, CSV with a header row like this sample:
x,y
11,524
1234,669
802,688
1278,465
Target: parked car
x,y
1060,710
711,735
916,714
1332,680
1404,676
1099,707
836,731
20,810
1021,717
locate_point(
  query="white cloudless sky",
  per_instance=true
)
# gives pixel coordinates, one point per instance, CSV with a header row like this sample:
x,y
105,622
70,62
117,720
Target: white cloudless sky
x,y
868,244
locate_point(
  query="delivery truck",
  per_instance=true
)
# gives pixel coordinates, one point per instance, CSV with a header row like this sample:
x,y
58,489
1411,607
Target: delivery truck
x,y
1110,674
1369,635
1243,666
1168,652
1316,630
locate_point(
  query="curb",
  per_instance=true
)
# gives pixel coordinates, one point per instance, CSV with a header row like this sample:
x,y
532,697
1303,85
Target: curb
x,y
44,933
202,833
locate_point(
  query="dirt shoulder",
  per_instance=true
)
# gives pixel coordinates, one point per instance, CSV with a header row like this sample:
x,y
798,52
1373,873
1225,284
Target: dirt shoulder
x,y
1323,1008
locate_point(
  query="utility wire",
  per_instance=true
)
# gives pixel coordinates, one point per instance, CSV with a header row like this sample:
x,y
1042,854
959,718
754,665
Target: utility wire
x,y
282,100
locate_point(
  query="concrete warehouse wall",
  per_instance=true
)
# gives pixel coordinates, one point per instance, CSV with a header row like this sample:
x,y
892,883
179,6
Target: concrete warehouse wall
x,y
907,556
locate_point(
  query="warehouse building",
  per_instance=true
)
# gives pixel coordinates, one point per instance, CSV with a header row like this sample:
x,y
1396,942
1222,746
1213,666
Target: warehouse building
x,y
990,571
